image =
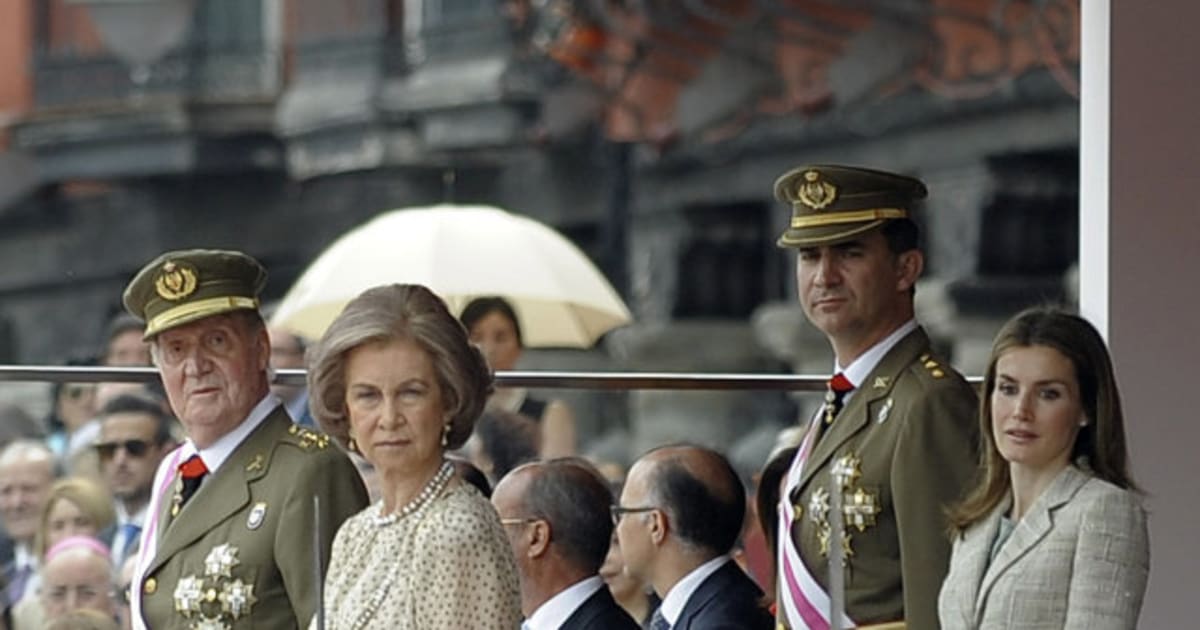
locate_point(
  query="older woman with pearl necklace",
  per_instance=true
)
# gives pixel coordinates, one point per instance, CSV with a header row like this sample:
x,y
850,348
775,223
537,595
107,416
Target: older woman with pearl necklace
x,y
395,379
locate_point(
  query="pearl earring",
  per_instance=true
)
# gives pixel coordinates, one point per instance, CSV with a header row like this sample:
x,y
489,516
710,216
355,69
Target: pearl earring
x,y
446,435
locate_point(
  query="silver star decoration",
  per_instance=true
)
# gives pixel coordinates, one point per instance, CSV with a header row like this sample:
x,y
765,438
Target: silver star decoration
x,y
188,594
220,561
237,598
818,506
860,508
846,470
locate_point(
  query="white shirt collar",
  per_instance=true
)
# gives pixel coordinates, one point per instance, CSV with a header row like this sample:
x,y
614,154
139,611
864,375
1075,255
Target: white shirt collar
x,y
22,557
677,597
215,455
861,368
555,612
137,518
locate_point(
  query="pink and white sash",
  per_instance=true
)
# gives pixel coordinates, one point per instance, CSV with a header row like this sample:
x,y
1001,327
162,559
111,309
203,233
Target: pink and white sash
x,y
802,601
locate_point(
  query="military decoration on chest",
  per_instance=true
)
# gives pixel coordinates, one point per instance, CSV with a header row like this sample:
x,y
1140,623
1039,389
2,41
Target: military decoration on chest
x,y
859,506
214,600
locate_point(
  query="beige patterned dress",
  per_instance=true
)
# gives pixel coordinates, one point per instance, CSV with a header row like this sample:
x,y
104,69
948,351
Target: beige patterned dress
x,y
448,565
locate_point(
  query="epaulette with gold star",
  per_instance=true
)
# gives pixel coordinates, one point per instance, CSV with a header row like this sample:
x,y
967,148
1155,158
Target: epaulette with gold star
x,y
307,439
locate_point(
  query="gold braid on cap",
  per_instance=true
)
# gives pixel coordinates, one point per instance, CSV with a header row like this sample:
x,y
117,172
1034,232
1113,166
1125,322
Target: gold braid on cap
x,y
172,315
858,216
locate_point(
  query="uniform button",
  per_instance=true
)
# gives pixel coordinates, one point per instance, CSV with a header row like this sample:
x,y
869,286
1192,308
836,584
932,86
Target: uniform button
x,y
150,586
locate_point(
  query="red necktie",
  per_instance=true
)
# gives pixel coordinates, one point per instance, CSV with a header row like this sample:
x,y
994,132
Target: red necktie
x,y
192,472
835,392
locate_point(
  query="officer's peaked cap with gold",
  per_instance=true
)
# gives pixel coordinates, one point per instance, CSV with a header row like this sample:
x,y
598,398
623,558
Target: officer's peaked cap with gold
x,y
183,286
833,204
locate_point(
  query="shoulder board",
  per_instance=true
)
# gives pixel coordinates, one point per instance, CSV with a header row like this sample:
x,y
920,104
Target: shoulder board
x,y
307,439
932,366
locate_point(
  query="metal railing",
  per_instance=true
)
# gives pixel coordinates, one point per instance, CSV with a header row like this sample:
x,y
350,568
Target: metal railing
x,y
513,378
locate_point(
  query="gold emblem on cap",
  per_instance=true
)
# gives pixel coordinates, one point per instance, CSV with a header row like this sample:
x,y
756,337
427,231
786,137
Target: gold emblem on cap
x,y
175,282
815,192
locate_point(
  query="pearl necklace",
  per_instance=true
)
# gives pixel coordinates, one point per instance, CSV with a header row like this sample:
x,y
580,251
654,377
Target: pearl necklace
x,y
431,490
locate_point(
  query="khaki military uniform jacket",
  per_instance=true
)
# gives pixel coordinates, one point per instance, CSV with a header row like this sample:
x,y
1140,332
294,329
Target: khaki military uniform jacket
x,y
239,554
905,446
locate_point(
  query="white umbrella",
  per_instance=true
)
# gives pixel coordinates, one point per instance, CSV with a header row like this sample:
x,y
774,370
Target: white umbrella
x,y
462,252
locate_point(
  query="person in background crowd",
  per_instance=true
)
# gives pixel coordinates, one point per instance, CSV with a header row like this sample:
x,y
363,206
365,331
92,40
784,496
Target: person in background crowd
x,y
135,436
766,504
26,473
555,514
125,346
896,437
72,406
75,506
395,379
493,325
503,440
287,353
122,595
18,424
635,596
472,475
77,575
82,619
1054,535
679,517
234,507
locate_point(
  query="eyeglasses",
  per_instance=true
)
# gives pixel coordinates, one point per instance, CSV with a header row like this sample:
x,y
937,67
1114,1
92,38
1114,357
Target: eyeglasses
x,y
618,511
135,448
518,521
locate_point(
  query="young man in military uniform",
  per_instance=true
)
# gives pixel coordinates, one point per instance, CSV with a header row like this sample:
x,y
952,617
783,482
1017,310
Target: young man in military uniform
x,y
228,540
896,437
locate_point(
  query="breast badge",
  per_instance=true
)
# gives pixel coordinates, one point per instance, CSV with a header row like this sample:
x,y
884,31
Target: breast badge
x,y
216,599
859,506
257,514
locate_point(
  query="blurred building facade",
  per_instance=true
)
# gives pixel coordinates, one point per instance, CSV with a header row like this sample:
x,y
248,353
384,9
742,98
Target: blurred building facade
x,y
649,132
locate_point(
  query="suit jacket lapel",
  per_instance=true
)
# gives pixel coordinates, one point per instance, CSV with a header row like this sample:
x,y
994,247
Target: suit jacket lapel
x,y
975,551
222,495
1031,529
857,412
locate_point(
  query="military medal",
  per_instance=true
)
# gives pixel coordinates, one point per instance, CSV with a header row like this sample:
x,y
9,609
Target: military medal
x,y
884,411
257,513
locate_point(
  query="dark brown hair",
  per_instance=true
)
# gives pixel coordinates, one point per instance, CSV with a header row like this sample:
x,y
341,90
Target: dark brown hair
x,y
1099,447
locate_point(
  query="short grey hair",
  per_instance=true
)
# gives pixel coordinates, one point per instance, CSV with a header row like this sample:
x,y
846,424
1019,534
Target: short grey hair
x,y
389,313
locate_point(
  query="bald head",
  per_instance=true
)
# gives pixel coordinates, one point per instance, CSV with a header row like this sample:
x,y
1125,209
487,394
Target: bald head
x,y
573,498
699,491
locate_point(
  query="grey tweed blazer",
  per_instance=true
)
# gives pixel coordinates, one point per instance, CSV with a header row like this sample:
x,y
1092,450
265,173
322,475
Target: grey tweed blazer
x,y
1079,559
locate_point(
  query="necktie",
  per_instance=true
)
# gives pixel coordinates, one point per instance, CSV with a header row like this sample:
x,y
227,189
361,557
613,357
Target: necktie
x,y
132,532
192,472
835,392
658,622
16,587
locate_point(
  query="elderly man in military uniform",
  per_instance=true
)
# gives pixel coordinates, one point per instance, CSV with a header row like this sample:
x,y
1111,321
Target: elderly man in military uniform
x,y
228,541
894,443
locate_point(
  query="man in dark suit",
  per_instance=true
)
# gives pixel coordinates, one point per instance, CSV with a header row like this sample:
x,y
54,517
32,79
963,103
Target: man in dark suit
x,y
556,515
680,514
228,540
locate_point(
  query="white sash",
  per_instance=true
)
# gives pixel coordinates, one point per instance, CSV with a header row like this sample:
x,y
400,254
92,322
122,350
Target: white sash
x,y
802,601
